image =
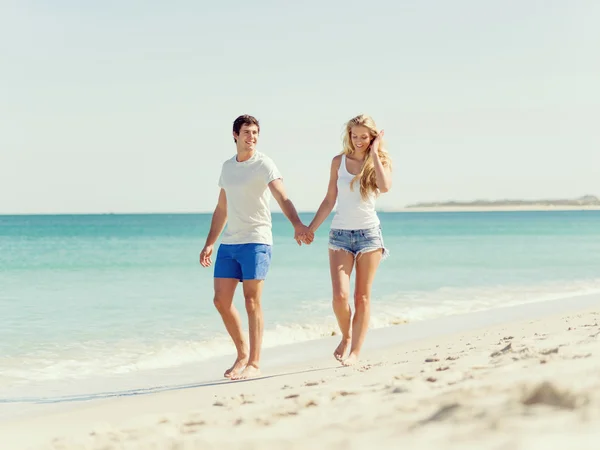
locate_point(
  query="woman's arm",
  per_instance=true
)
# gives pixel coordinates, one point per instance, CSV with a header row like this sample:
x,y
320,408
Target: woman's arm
x,y
382,173
330,198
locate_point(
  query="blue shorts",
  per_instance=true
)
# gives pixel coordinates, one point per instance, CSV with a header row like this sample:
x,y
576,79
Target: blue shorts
x,y
243,261
357,241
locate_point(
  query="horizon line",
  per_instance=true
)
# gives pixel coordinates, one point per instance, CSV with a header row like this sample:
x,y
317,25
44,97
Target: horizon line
x,y
411,210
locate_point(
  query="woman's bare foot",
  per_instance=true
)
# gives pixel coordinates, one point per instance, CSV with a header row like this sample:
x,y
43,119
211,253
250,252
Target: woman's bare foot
x,y
350,360
237,367
251,371
340,351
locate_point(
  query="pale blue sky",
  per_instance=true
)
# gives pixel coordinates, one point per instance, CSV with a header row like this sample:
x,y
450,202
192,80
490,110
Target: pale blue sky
x,y
127,106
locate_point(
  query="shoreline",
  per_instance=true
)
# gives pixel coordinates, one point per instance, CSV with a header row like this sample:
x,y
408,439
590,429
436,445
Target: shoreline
x,y
183,368
308,351
298,375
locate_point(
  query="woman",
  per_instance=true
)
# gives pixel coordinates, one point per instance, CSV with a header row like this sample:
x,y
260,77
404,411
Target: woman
x,y
358,175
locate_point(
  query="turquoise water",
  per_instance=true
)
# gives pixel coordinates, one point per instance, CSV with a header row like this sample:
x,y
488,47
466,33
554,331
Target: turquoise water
x,y
103,295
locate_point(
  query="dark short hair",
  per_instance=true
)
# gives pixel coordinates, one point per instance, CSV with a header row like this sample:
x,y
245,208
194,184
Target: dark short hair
x,y
244,120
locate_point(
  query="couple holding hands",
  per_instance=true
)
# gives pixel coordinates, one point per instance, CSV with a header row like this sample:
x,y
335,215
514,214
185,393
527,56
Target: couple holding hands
x,y
358,175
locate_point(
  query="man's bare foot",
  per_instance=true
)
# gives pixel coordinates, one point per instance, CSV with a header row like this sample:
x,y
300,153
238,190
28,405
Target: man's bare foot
x,y
340,351
350,360
237,367
251,371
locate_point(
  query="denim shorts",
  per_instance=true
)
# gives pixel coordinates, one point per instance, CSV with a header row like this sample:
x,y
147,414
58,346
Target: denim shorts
x,y
243,261
357,241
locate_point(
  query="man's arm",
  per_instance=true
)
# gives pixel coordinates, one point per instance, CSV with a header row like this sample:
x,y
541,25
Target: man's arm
x,y
301,231
219,219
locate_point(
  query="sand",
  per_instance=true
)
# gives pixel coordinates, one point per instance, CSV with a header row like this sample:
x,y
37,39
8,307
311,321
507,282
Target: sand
x,y
524,378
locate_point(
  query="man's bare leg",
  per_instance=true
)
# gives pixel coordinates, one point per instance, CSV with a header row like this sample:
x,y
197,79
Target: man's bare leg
x,y
252,295
340,265
366,266
224,292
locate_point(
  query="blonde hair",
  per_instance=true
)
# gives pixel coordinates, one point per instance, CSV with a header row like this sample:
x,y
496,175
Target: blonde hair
x,y
366,177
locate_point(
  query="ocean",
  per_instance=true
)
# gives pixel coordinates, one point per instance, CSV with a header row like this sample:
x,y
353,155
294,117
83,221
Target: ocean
x,y
105,297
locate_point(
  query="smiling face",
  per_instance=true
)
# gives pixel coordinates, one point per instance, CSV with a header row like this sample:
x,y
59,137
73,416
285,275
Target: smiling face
x,y
359,133
360,137
247,137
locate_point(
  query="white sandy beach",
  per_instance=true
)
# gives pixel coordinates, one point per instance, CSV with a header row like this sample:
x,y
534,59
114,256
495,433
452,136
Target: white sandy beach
x,y
524,377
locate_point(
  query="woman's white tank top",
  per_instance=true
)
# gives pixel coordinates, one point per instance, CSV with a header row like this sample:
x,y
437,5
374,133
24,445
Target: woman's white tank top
x,y
352,211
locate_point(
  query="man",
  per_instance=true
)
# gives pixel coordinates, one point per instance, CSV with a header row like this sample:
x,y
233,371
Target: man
x,y
245,251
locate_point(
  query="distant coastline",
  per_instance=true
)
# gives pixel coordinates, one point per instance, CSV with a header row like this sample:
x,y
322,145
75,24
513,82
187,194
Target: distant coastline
x,y
587,202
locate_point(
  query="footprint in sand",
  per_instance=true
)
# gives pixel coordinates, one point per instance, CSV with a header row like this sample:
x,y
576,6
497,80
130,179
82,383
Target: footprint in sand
x,y
286,414
244,399
404,377
309,403
192,426
587,355
342,394
502,351
263,421
548,394
398,390
441,414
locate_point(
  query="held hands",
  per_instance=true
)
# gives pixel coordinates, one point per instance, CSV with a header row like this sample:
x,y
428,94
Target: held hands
x,y
375,144
303,234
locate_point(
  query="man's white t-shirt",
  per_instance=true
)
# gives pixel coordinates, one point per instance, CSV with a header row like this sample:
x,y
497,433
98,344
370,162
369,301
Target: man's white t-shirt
x,y
248,195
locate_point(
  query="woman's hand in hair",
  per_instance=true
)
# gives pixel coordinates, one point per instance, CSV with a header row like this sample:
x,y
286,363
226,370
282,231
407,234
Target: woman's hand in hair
x,y
375,144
